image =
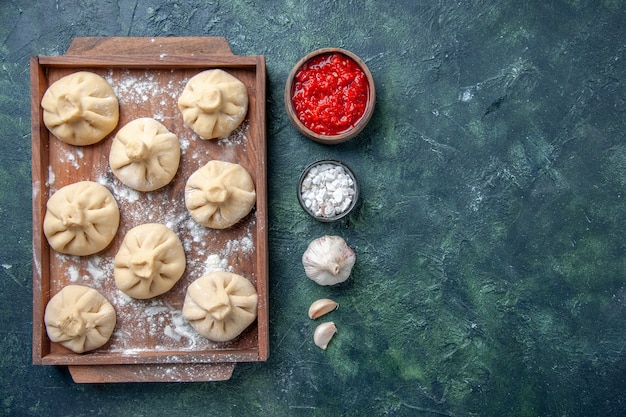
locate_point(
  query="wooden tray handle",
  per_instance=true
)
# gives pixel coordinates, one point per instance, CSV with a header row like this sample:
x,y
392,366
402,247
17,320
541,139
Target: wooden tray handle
x,y
152,373
185,46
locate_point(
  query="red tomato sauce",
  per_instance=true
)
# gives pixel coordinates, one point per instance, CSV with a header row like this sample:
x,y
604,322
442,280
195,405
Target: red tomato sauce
x,y
330,93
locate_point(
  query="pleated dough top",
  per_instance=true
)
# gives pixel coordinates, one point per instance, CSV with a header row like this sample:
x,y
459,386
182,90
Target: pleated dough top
x,y
80,108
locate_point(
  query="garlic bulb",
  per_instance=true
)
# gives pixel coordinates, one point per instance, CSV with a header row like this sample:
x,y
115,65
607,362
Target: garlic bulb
x,y
328,260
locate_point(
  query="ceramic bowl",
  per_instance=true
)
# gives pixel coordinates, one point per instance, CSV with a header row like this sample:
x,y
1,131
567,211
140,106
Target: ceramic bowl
x,y
342,136
320,202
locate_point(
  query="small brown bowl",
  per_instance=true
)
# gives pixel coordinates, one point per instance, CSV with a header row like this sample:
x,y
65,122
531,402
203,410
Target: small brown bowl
x,y
316,209
352,131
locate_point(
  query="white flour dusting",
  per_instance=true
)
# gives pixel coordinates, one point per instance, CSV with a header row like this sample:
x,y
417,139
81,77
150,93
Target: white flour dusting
x,y
72,158
120,191
138,88
73,273
237,137
51,177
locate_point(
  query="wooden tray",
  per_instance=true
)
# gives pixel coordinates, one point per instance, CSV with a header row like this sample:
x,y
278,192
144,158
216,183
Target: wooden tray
x,y
151,342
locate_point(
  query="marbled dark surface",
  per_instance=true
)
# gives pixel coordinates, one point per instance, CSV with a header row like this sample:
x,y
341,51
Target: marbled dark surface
x,y
491,266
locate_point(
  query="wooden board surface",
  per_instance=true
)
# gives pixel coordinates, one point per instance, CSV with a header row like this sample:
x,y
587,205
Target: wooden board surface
x,y
148,75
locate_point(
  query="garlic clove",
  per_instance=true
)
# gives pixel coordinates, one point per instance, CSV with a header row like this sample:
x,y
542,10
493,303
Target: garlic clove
x,y
328,260
323,333
322,306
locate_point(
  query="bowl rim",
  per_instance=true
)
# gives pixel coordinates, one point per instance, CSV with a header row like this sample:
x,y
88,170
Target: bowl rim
x,y
363,121
350,172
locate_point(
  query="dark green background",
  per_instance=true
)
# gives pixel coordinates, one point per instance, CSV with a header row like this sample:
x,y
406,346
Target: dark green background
x,y
491,267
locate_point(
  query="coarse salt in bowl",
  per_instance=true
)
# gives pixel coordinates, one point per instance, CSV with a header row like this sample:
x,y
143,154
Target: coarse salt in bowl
x,y
330,95
328,190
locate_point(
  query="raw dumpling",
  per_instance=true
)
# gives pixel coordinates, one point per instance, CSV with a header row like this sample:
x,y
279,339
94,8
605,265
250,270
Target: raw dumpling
x,y
219,194
149,262
144,155
81,218
214,103
79,318
80,108
220,305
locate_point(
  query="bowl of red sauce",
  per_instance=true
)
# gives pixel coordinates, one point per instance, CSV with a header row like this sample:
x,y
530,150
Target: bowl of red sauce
x,y
330,95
